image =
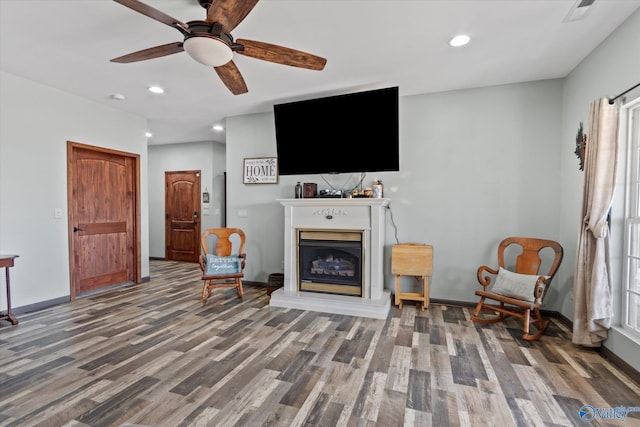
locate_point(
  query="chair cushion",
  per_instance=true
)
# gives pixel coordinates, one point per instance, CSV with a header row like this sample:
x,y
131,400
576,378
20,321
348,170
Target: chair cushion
x,y
515,285
223,264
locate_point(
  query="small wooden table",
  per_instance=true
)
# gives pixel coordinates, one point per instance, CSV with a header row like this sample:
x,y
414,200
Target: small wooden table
x,y
6,261
412,259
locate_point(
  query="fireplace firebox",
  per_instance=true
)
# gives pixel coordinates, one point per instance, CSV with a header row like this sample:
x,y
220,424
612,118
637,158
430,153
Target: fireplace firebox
x,y
330,261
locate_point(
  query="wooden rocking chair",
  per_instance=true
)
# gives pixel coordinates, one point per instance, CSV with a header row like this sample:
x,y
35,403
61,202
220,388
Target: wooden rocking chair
x,y
224,267
520,292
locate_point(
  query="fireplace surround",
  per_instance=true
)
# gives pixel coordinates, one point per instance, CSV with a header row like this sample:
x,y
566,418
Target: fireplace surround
x,y
357,225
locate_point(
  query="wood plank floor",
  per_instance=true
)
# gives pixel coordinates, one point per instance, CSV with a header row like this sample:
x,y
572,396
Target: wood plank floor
x,y
153,355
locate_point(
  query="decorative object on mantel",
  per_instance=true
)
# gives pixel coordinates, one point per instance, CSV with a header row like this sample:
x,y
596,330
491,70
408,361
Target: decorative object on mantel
x,y
346,189
581,144
378,189
260,170
310,190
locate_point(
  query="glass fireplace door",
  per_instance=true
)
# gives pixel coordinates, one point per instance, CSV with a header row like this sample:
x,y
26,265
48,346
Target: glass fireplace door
x,y
330,261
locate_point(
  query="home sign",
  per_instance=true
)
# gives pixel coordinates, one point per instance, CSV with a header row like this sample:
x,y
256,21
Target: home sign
x,y
260,170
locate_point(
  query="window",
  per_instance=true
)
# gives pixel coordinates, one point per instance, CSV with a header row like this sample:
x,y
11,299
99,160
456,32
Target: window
x,y
630,130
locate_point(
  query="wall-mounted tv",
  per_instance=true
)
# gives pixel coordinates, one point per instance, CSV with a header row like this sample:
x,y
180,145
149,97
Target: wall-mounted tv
x,y
352,133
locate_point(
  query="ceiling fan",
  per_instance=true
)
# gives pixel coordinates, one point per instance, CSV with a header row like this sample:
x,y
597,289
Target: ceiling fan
x,y
210,42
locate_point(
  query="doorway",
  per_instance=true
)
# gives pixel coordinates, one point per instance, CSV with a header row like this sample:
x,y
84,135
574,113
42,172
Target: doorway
x,y
182,215
103,195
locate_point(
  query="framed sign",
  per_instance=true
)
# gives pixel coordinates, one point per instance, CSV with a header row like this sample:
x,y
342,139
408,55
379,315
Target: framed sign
x,y
260,170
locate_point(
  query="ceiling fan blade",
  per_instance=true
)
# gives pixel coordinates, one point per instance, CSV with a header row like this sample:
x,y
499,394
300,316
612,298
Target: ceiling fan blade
x,y
281,55
229,13
150,53
231,77
153,13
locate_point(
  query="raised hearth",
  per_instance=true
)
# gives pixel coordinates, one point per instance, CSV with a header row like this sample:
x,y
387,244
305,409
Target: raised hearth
x,y
361,216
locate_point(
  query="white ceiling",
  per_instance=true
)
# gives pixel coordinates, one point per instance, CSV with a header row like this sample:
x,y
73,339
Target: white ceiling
x,y
67,44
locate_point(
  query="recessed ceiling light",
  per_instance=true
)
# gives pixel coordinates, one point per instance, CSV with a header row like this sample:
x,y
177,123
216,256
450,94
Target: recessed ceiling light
x,y
218,128
459,40
156,89
148,134
117,96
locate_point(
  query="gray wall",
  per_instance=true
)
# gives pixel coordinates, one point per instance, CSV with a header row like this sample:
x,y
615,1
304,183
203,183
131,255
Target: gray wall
x,y
36,123
207,157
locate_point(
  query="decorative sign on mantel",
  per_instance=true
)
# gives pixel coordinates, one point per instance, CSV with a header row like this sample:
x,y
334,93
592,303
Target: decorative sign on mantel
x,y
260,170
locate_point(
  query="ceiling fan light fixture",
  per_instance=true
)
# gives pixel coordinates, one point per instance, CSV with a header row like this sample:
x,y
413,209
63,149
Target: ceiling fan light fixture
x,y
208,50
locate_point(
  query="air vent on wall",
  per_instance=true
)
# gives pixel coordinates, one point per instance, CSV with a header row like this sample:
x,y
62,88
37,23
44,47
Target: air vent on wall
x,y
579,10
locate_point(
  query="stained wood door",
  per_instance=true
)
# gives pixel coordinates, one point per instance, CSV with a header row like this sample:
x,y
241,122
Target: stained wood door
x,y
103,199
182,215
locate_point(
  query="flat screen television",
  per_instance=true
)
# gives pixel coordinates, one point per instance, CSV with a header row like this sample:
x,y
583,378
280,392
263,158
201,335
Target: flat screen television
x,y
352,133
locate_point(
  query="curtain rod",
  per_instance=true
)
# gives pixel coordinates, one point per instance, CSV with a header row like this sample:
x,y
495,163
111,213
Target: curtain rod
x,y
612,100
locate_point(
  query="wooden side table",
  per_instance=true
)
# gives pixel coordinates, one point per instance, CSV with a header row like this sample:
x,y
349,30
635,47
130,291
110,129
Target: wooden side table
x,y
6,261
412,259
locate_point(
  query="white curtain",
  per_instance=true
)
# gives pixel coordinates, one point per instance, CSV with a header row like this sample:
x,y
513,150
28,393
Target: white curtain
x,y
592,281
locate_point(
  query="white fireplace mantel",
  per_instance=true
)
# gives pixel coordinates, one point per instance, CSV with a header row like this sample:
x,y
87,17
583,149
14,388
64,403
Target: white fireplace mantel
x,y
364,214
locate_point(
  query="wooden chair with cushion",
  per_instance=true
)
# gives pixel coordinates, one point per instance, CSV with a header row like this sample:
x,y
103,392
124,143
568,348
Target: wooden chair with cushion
x,y
223,266
519,290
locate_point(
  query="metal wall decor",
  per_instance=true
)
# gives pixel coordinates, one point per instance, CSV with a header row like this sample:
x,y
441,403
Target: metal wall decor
x,y
581,144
